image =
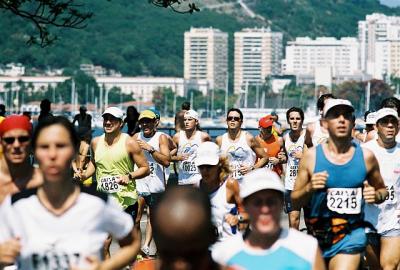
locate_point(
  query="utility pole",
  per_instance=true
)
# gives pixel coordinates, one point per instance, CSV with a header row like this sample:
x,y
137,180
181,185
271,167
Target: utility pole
x,y
226,93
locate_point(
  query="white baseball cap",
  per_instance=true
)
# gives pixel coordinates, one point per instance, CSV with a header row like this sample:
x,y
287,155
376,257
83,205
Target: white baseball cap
x,y
192,113
114,111
385,112
371,118
207,154
260,179
333,102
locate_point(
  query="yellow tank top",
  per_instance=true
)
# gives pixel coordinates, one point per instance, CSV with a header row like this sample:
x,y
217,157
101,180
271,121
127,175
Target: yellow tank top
x,y
112,162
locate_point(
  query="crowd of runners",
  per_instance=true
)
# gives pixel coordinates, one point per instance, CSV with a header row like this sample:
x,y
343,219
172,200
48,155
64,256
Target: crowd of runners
x,y
65,197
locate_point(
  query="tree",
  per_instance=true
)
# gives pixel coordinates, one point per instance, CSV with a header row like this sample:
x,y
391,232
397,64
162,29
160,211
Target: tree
x,y
48,14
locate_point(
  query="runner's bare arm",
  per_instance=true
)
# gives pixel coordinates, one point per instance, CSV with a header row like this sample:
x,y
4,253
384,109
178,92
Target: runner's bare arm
x,y
163,156
218,141
91,168
374,176
139,158
174,154
308,139
282,153
257,148
302,191
205,137
233,190
171,144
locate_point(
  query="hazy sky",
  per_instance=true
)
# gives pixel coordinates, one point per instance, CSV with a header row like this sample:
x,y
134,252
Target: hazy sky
x,y
391,3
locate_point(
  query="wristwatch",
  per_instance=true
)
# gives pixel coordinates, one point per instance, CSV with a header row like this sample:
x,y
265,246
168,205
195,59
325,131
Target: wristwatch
x,y
130,177
151,150
240,218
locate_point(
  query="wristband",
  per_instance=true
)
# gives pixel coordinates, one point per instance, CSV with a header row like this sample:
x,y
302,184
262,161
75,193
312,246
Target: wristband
x,y
151,150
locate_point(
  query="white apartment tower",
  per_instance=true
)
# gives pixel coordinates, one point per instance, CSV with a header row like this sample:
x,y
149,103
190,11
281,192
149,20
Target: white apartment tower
x,y
305,57
206,56
258,53
379,36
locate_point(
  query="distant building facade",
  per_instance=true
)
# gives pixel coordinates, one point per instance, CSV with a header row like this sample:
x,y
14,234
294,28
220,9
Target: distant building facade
x,y
379,37
258,54
206,56
308,58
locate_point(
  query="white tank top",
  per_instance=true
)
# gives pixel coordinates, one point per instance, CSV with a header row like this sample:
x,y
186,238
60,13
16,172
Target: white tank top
x,y
383,216
319,136
239,153
292,165
220,208
188,171
155,181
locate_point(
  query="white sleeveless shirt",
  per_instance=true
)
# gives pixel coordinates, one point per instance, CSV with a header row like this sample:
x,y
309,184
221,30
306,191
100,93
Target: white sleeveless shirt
x,y
156,180
188,171
383,216
292,165
220,208
239,153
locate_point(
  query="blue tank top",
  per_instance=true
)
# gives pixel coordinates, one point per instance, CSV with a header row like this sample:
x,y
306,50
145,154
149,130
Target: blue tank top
x,y
349,175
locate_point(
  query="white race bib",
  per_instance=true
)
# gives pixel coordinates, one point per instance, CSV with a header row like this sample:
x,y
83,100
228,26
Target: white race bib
x,y
391,197
189,167
344,200
109,184
236,174
293,171
152,167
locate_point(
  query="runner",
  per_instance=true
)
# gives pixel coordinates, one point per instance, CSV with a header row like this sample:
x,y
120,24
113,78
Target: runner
x,y
369,131
332,182
222,190
267,245
318,132
16,172
296,141
60,225
272,144
84,122
179,117
385,242
240,147
188,141
183,230
155,146
114,156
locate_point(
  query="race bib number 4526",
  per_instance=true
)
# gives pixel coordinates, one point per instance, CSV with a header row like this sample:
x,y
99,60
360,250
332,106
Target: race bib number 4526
x,y
344,200
109,184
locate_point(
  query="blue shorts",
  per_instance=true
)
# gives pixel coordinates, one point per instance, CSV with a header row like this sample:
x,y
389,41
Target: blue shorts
x,y
353,243
288,201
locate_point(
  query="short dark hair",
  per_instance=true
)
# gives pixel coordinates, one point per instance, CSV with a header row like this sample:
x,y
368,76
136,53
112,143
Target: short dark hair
x,y
321,100
56,120
295,109
391,102
185,105
235,110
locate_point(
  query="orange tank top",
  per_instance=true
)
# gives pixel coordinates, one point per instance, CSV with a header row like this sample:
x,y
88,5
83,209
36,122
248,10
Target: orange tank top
x,y
272,147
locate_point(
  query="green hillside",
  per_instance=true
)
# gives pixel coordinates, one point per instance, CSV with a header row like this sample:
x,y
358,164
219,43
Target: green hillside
x,y
137,38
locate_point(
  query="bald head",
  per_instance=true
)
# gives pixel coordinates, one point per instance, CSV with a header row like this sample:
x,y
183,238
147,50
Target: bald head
x,y
182,222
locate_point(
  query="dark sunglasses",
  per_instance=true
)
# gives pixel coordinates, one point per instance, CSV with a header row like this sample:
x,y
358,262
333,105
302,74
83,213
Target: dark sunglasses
x,y
11,140
235,118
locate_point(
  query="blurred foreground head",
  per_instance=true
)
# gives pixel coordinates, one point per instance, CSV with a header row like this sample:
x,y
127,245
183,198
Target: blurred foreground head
x,y
182,228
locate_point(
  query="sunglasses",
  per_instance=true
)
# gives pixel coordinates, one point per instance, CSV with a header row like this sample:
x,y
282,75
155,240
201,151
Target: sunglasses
x,y
235,118
11,140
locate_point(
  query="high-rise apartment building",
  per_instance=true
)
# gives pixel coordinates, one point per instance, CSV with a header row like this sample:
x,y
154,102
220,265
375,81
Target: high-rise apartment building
x,y
258,53
206,56
305,56
379,35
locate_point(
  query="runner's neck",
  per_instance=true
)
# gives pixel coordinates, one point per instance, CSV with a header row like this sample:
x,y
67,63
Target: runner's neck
x,y
234,134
